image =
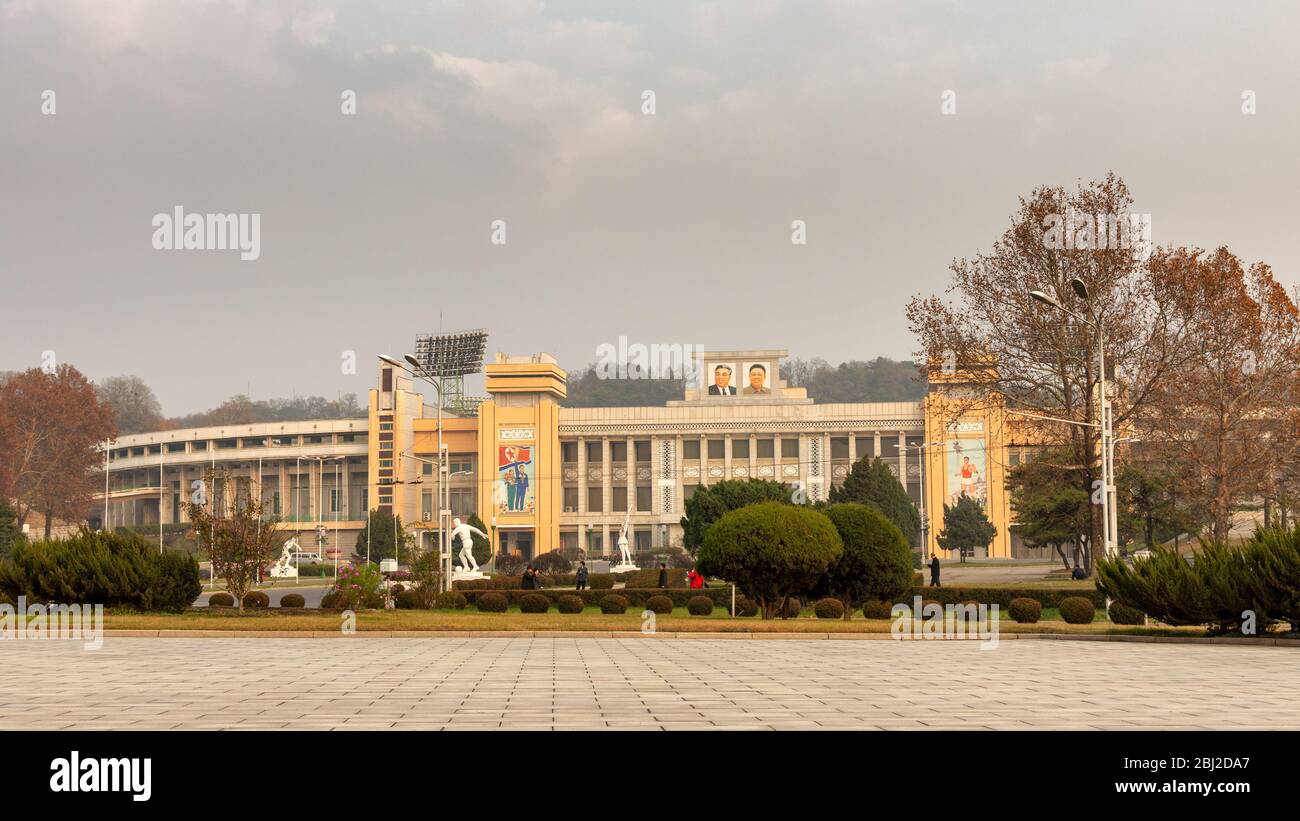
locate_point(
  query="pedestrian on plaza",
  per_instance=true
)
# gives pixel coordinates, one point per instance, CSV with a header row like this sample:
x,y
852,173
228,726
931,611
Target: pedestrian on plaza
x,y
529,579
582,575
663,576
934,571
690,578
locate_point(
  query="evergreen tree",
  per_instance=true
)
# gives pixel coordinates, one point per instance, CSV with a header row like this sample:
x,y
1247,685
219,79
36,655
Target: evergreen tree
x,y
710,502
965,527
382,533
871,482
10,533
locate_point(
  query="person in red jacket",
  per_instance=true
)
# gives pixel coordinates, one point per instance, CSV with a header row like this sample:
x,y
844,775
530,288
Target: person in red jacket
x,y
696,580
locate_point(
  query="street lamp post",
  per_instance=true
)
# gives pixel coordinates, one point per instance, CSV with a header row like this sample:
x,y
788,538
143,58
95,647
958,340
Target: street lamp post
x,y
1106,445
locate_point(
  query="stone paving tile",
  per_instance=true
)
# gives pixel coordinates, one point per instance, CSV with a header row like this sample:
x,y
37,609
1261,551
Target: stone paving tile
x,y
457,683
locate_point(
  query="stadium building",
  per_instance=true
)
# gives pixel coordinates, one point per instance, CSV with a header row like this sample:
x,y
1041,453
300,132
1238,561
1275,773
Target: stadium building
x,y
543,476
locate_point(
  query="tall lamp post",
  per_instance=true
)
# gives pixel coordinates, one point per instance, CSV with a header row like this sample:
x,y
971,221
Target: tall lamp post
x,y
925,520
1108,511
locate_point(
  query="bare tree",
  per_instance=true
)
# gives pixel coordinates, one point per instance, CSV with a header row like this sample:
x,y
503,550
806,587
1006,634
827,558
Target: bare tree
x,y
238,539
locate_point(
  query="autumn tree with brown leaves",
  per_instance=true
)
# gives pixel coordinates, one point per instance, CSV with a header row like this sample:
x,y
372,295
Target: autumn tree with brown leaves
x,y
52,429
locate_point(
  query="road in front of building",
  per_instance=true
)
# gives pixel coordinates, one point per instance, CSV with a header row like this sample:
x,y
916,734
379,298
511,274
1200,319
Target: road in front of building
x,y
311,595
643,684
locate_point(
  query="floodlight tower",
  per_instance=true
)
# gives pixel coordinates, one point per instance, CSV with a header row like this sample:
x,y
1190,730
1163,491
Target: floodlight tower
x,y
444,360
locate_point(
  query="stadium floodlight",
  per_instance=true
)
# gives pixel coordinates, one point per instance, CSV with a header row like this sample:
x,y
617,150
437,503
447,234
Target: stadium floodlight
x,y
453,354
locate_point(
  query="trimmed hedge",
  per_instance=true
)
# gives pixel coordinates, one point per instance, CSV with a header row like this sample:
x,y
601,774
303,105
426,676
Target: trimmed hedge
x,y
877,610
700,606
492,603
829,608
613,605
1121,613
451,600
331,601
256,598
746,607
649,577
569,604
408,600
792,609
600,581
1077,610
1000,596
221,600
721,596
292,600
660,605
1025,611
534,603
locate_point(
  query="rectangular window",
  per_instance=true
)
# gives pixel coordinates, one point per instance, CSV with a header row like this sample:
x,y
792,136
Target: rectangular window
x,y
716,449
618,451
688,491
641,539
643,450
462,502
593,452
569,451
766,448
595,501
385,425
866,446
426,506
571,500
839,447
643,498
275,503
790,447
335,501
739,448
691,449
385,463
620,498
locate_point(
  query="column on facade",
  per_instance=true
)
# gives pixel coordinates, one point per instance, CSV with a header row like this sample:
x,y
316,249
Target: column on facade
x,y
631,478
282,484
902,458
753,455
313,492
726,456
853,449
679,491
704,459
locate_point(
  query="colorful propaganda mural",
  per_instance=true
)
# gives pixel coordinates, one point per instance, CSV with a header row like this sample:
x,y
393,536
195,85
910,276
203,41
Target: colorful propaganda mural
x,y
516,489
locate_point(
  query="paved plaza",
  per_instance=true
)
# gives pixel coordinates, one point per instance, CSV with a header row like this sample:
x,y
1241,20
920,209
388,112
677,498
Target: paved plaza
x,y
650,684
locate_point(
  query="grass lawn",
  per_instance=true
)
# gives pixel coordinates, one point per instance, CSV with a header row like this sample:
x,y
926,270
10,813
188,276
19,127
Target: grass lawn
x,y
589,620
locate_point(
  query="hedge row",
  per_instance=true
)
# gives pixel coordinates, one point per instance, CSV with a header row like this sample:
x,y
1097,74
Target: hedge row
x,y
596,581
720,596
1000,596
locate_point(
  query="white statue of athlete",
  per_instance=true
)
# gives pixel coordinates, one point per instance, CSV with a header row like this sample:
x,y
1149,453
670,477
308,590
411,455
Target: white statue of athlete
x,y
622,543
462,531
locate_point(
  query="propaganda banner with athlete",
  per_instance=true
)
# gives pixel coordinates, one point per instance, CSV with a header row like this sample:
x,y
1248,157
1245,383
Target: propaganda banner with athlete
x,y
515,491
967,470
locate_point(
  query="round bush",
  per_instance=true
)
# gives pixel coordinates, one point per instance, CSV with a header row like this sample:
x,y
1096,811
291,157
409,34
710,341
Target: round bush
x,y
792,608
569,604
256,598
1025,611
1121,613
292,600
661,605
450,600
829,608
613,604
600,581
534,603
397,590
876,609
408,600
876,562
331,600
492,603
1077,610
746,607
221,600
700,606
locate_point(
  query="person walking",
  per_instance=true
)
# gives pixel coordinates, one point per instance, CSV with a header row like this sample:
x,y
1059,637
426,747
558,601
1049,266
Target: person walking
x,y
934,571
581,577
527,582
663,576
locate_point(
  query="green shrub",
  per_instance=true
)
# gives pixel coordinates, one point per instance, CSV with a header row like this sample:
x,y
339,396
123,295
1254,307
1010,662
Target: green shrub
x,y
648,577
534,603
492,603
1273,559
256,598
829,608
569,604
1121,613
292,600
1025,611
700,606
409,600
661,605
451,600
746,607
600,581
1077,610
333,600
1215,590
793,607
221,600
771,551
552,562
876,561
396,590
174,583
613,604
876,609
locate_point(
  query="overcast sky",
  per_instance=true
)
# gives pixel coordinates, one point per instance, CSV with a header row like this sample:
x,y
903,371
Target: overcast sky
x,y
669,228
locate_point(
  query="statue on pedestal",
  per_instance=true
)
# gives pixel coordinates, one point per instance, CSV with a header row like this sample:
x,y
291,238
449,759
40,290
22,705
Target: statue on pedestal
x,y
468,567
625,555
283,567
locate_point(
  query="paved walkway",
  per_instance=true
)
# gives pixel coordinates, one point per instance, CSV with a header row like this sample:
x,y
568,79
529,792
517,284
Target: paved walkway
x,y
552,683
